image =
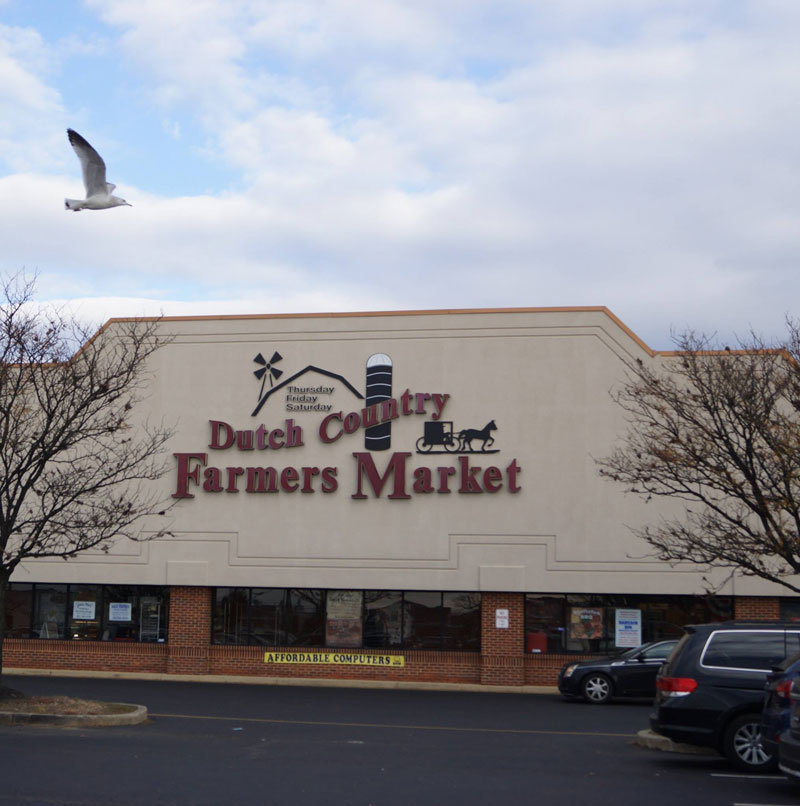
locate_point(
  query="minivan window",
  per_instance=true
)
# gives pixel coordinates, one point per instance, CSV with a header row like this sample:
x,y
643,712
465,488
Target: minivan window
x,y
744,649
680,645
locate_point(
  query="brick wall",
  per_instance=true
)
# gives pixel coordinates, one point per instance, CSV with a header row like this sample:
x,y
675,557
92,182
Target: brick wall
x,y
189,633
757,607
98,656
542,669
502,648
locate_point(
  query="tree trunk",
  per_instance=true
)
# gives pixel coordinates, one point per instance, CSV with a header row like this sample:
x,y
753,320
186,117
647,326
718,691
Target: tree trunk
x,y
4,576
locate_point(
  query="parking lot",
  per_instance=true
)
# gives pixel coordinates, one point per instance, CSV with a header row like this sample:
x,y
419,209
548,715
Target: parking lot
x,y
218,744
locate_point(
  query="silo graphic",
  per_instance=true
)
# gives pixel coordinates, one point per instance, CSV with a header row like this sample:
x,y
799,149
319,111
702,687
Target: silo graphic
x,y
379,387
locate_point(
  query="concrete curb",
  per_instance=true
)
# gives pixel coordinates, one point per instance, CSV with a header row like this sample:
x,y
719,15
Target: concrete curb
x,y
135,716
655,741
284,681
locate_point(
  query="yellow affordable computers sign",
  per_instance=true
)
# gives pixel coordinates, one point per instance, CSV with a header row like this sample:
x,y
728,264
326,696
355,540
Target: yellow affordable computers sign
x,y
336,658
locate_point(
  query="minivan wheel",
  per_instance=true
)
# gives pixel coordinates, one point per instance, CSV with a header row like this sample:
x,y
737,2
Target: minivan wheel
x,y
596,689
741,744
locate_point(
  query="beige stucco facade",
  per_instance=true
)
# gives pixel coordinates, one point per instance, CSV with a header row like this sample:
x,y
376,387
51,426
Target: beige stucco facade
x,y
528,513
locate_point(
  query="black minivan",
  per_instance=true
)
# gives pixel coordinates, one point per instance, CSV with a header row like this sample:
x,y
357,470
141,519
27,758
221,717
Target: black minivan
x,y
710,690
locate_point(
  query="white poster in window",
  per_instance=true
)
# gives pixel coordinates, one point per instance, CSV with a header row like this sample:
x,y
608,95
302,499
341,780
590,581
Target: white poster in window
x,y
628,627
343,626
83,611
119,611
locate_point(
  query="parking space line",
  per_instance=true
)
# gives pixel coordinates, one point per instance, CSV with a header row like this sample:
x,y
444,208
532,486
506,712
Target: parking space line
x,y
748,776
267,721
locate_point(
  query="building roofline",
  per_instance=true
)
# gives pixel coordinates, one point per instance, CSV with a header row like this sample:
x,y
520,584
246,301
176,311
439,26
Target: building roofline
x,y
425,312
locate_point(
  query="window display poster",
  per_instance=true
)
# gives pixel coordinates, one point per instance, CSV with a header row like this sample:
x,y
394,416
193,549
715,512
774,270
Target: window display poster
x,y
83,611
585,622
120,611
628,627
343,622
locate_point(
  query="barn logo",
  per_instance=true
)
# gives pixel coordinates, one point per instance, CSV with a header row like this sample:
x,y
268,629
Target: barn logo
x,y
439,436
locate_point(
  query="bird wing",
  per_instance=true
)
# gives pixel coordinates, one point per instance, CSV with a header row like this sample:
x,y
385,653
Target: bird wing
x,y
92,165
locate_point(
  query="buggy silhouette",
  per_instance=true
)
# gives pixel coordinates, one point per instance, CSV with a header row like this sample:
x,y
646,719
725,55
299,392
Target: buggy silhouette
x,y
438,434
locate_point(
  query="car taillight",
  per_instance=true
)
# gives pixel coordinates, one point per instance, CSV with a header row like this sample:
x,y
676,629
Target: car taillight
x,y
784,689
676,686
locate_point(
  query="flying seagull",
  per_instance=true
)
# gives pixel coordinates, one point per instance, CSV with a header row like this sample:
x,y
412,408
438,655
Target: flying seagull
x,y
98,191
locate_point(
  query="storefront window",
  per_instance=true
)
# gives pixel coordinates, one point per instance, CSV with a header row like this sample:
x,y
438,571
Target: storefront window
x,y
305,617
85,609
594,623
383,619
544,623
790,609
50,611
120,614
152,616
422,620
88,612
19,610
231,608
461,629
266,617
347,618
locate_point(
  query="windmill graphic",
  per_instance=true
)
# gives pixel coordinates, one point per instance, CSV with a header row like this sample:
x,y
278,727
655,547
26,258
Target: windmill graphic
x,y
267,370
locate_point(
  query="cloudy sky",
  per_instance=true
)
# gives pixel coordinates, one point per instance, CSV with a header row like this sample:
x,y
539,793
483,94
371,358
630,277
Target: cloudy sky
x,y
350,155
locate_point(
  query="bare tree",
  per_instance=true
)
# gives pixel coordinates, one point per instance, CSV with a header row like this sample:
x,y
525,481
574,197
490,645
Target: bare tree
x,y
76,468
719,430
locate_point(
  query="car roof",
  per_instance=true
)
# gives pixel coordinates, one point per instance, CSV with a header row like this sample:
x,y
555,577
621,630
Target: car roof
x,y
743,625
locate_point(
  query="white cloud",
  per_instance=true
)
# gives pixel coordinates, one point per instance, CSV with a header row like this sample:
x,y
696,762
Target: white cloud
x,y
408,154
190,48
27,103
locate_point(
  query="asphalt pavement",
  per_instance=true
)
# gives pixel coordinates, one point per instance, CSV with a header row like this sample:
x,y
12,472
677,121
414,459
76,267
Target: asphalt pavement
x,y
208,743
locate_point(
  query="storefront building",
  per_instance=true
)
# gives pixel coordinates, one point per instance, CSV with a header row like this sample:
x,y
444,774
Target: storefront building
x,y
386,496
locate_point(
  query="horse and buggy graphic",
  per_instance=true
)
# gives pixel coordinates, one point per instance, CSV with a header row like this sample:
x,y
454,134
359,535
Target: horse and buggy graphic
x,y
440,437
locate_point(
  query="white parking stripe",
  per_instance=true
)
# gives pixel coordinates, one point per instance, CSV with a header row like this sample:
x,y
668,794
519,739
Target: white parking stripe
x,y
749,777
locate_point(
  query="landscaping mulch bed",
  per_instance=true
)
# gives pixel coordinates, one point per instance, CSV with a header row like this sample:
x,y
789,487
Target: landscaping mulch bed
x,y
12,701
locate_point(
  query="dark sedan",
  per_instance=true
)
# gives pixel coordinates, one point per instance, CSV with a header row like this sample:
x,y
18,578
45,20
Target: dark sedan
x,y
631,674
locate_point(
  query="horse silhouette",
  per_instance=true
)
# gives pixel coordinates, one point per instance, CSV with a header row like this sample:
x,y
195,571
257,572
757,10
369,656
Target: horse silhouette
x,y
468,434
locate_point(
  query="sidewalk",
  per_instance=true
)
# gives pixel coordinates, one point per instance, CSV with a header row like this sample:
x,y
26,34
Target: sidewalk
x,y
284,681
